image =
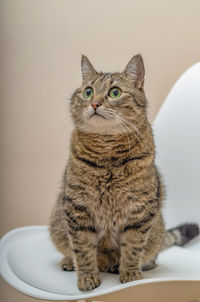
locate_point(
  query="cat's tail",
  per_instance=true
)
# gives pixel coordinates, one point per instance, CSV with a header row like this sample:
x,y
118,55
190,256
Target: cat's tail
x,y
180,235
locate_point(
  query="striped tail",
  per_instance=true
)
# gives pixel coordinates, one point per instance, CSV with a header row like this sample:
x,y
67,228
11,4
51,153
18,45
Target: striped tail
x,y
180,235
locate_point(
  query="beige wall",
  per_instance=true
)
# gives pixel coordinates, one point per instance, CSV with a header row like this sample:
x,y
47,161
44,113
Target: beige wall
x,y
41,43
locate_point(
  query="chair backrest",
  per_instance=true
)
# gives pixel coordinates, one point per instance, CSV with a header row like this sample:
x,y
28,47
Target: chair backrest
x,y
177,137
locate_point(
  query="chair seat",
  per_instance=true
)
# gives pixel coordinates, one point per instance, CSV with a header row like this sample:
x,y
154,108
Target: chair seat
x,y
29,263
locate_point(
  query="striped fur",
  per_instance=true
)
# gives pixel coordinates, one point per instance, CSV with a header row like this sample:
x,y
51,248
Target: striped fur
x,y
108,215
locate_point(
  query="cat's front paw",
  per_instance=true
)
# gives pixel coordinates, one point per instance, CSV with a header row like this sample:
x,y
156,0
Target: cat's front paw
x,y
129,276
88,282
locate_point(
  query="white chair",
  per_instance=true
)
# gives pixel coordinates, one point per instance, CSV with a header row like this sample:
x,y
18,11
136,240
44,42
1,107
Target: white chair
x,y
29,261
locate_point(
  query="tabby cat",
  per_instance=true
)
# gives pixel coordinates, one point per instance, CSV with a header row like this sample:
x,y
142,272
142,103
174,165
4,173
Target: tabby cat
x,y
108,215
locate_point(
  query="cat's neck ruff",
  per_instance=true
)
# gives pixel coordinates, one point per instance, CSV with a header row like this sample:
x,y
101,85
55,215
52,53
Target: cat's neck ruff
x,y
113,145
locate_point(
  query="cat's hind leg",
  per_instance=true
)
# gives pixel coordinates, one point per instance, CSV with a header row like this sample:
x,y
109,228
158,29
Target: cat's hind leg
x,y
59,235
149,265
153,245
63,245
67,263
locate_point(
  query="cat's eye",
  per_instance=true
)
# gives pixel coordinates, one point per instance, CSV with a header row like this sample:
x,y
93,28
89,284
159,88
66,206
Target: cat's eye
x,y
115,92
88,93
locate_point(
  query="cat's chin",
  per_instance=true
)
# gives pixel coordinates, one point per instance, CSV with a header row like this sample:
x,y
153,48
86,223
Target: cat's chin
x,y
100,124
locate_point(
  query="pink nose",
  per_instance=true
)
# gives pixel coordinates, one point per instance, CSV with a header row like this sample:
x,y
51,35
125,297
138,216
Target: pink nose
x,y
95,105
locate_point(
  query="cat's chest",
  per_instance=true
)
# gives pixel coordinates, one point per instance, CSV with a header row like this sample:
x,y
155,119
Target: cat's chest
x,y
112,205
113,189
110,216
109,200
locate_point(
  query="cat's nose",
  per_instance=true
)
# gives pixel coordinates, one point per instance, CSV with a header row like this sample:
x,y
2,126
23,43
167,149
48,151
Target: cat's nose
x,y
95,105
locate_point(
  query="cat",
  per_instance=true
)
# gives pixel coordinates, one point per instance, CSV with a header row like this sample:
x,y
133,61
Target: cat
x,y
108,215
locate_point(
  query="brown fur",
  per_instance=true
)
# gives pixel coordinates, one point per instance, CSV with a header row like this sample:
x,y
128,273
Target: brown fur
x,y
108,215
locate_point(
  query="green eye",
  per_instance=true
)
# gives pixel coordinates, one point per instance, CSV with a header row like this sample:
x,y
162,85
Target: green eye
x,y
88,93
115,92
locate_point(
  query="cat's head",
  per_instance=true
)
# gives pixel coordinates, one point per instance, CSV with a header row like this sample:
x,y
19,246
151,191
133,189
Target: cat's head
x,y
110,102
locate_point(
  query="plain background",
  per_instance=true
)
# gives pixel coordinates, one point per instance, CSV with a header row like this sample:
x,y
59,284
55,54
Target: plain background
x,y
41,45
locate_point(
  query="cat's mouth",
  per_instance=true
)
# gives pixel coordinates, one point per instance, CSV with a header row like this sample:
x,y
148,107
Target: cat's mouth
x,y
95,114
99,120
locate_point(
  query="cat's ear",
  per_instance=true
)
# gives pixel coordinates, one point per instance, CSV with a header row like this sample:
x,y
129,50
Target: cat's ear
x,y
88,70
135,71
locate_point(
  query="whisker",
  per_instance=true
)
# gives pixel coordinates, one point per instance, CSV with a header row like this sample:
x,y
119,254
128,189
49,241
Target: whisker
x,y
124,127
131,128
121,114
121,126
82,116
137,130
